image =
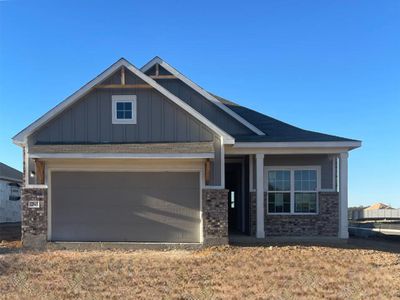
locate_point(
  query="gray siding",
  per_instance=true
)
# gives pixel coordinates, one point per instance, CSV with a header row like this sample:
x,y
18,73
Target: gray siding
x,y
89,121
130,78
161,71
205,107
323,161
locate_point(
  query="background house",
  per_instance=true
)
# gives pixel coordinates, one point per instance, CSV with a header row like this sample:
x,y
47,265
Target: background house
x,y
10,194
375,211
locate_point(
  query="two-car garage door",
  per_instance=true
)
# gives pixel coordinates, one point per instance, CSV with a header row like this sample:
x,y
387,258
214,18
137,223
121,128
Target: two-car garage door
x,y
125,206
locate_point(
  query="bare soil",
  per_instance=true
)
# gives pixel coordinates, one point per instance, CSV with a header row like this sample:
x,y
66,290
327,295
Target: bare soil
x,y
279,272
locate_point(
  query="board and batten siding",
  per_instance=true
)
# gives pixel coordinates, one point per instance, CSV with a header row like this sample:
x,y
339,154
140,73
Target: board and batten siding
x,y
90,121
159,120
205,107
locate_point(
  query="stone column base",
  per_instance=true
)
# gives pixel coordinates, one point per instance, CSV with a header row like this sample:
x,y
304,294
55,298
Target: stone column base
x,y
34,219
215,217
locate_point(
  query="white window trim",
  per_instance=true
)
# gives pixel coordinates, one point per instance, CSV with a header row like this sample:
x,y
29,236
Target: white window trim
x,y
292,190
127,99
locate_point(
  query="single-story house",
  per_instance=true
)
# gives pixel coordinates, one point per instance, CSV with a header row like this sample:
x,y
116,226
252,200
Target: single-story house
x,y
10,194
148,156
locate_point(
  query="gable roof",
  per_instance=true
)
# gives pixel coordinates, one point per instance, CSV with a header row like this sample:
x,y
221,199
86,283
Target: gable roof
x,y
201,91
278,131
21,137
266,128
6,172
378,206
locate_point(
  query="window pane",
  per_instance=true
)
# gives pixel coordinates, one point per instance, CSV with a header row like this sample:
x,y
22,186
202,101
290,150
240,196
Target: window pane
x,y
120,114
128,106
279,180
305,202
120,105
128,114
305,180
279,202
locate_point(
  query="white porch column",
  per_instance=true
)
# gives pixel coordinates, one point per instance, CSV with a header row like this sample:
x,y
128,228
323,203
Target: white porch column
x,y
260,233
343,191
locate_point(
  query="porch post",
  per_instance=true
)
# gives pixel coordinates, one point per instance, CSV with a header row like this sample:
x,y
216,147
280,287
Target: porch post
x,y
343,191
260,233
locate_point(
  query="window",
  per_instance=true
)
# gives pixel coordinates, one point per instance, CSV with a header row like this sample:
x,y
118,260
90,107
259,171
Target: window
x,y
124,109
305,191
292,190
14,192
279,191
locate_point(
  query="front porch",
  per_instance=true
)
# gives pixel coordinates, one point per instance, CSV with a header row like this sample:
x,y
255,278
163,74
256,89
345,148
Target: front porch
x,y
255,209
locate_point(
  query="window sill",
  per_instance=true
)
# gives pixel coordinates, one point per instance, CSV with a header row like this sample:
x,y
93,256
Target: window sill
x,y
292,214
124,122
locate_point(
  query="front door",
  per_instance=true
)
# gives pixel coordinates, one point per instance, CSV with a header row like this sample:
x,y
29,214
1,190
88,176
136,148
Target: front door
x,y
233,183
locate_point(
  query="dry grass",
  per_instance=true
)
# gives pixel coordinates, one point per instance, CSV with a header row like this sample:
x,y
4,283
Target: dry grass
x,y
216,273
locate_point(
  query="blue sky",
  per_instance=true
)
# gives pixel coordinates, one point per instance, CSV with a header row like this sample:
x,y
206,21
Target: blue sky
x,y
329,66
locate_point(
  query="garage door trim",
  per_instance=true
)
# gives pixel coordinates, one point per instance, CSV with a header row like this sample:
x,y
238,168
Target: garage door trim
x,y
96,169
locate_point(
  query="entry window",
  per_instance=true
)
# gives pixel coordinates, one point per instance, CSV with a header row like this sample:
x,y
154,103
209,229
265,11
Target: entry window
x,y
124,109
293,190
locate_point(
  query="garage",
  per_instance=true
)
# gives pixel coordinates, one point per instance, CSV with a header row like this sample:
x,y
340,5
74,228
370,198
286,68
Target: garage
x,y
125,206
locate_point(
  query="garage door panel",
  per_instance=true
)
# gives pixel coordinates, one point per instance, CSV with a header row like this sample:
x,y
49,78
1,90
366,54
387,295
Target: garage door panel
x,y
126,206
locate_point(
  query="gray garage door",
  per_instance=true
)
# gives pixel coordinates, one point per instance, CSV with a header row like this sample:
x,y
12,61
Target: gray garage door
x,y
125,206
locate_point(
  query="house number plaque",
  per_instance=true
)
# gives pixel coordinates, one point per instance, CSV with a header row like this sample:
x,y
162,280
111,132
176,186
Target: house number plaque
x,y
33,204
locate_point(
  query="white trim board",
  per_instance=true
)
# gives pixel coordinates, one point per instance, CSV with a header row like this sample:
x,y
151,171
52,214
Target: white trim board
x,y
201,91
124,155
21,137
292,190
338,144
115,99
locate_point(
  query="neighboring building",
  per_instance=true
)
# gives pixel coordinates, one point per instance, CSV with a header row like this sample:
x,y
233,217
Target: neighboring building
x,y
376,206
146,155
10,194
377,211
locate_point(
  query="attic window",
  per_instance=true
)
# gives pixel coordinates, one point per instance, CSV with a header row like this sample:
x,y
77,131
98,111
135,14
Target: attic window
x,y
123,109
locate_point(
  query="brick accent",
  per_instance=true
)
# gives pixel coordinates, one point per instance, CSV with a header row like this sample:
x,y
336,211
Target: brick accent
x,y
325,223
215,216
199,147
34,220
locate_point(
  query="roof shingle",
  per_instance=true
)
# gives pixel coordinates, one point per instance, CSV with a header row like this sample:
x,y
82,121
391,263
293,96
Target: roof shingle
x,y
275,130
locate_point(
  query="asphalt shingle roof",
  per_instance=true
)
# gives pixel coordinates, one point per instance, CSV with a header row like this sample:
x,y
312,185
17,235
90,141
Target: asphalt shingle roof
x,y
9,173
275,130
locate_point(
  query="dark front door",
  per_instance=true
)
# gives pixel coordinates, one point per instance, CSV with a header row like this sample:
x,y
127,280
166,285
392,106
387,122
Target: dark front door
x,y
233,183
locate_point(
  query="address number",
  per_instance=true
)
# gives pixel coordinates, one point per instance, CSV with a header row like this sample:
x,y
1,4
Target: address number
x,y
33,204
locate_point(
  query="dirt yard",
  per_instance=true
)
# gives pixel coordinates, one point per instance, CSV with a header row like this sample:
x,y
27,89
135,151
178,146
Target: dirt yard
x,y
287,272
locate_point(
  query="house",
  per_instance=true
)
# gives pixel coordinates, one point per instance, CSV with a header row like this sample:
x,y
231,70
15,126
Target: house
x,y
148,156
376,211
10,194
